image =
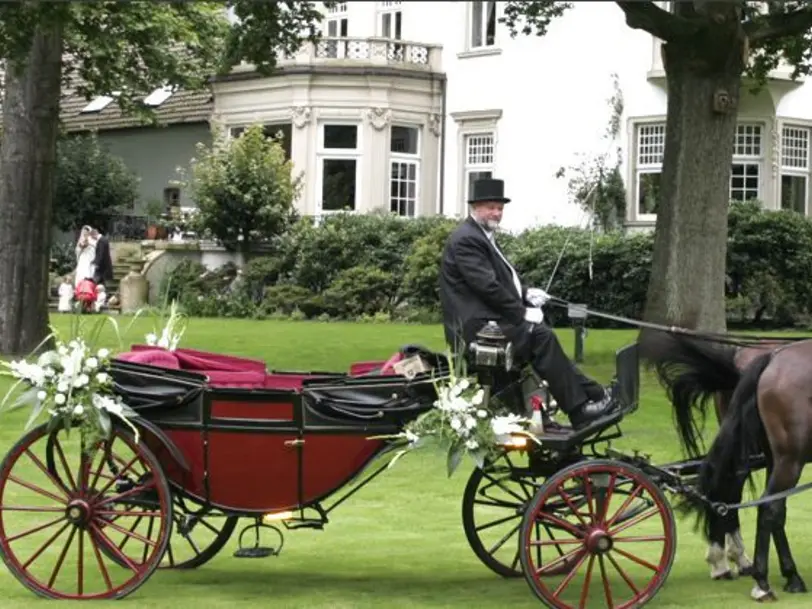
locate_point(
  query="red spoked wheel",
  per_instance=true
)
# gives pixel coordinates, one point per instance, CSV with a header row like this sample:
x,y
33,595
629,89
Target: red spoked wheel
x,y
616,530
82,525
493,504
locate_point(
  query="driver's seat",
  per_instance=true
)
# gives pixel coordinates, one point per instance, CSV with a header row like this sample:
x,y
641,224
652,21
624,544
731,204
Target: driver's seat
x,y
516,387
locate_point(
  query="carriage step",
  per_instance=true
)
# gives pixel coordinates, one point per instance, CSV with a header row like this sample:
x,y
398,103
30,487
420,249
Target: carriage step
x,y
305,524
566,438
256,552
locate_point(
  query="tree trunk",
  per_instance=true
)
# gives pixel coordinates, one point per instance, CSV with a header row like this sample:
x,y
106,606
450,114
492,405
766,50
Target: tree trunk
x,y
27,163
687,285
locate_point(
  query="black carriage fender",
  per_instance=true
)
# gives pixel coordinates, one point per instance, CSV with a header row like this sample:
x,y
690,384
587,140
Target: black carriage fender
x,y
167,443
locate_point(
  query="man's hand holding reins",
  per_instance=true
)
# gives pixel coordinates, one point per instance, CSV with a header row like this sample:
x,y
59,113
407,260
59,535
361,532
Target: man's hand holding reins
x,y
537,297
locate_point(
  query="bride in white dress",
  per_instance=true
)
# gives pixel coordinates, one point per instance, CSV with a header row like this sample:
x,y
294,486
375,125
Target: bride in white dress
x,y
85,253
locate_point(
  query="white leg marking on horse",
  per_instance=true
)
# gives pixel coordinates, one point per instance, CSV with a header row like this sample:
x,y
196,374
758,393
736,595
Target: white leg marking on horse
x,y
715,557
736,552
757,594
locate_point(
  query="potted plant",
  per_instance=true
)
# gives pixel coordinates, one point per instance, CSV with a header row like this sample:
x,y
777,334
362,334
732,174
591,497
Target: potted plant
x,y
156,226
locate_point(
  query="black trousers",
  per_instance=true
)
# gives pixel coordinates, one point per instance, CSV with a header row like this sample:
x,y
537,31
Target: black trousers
x,y
540,347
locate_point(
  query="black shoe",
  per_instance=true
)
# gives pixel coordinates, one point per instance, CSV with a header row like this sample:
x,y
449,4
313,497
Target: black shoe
x,y
591,411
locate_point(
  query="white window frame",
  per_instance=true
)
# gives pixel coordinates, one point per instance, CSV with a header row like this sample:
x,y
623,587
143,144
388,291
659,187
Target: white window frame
x,y
750,159
640,169
391,8
481,6
474,122
338,19
792,169
407,158
468,168
324,154
637,169
276,122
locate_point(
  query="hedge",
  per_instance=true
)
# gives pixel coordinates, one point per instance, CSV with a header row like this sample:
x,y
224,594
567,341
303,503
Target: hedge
x,y
378,267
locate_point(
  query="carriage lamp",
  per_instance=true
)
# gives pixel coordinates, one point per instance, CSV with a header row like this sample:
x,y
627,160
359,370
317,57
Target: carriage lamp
x,y
491,348
277,516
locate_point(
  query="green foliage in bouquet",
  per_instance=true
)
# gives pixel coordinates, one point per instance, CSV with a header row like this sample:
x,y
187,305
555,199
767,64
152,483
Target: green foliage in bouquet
x,y
464,420
71,383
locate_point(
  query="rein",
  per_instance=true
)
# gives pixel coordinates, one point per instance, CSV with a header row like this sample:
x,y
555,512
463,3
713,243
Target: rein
x,y
738,340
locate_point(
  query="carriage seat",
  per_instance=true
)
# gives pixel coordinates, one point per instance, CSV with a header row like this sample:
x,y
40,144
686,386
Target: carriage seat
x,y
221,370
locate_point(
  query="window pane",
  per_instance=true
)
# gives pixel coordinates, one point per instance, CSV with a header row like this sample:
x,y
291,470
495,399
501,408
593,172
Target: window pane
x,y
473,176
479,149
476,24
744,181
283,131
490,23
403,188
343,137
404,140
793,193
648,193
338,184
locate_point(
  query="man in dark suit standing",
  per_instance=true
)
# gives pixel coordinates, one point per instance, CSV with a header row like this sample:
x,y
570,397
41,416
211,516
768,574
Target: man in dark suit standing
x,y
103,262
478,284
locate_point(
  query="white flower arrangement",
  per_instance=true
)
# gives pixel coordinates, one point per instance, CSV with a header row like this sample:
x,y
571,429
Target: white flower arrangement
x,y
173,330
463,422
72,381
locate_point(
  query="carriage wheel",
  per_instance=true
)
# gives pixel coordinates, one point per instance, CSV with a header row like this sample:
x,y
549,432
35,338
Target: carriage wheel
x,y
622,539
197,536
61,521
493,504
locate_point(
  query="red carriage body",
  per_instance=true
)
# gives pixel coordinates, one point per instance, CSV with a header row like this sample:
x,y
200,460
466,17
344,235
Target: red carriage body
x,y
232,434
222,437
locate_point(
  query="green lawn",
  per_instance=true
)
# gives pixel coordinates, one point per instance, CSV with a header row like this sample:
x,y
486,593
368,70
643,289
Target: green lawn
x,y
400,542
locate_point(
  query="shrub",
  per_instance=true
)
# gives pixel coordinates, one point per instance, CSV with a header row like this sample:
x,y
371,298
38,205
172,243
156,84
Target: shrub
x,y
91,184
379,267
244,188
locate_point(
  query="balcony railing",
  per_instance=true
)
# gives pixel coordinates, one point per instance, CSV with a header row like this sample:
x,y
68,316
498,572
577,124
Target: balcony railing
x,y
365,51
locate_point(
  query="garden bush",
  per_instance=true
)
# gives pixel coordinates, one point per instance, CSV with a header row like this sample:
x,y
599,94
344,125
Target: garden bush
x,y
376,266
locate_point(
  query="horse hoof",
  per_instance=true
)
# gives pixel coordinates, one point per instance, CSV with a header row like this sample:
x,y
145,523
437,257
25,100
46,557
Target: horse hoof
x,y
746,571
726,576
795,585
760,595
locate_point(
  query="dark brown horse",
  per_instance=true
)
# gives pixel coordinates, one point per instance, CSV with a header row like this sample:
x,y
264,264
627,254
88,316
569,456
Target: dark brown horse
x,y
764,401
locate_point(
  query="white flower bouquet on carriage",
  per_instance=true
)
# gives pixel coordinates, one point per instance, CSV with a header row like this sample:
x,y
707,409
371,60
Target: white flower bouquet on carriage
x,y
169,336
72,383
464,421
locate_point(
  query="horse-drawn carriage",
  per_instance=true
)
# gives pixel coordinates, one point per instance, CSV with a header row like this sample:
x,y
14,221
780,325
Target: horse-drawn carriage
x,y
222,438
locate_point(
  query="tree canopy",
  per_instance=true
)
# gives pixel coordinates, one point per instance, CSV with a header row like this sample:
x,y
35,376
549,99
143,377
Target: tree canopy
x,y
120,49
710,49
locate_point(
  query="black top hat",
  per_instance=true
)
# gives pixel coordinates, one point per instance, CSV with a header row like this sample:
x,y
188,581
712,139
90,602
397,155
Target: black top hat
x,y
490,190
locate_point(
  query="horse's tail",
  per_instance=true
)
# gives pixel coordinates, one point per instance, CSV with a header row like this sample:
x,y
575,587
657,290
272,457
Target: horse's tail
x,y
692,370
740,437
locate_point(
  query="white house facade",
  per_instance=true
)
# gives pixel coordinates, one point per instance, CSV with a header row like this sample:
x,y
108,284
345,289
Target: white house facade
x,y
448,76
403,104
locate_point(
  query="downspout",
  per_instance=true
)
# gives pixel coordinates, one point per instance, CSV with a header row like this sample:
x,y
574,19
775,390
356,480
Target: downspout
x,y
442,147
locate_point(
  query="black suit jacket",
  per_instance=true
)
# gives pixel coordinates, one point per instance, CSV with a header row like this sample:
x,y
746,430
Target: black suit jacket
x,y
103,262
476,286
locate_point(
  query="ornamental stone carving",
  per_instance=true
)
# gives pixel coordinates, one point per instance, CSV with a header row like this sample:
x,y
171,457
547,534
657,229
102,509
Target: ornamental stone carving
x,y
435,124
300,116
379,117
